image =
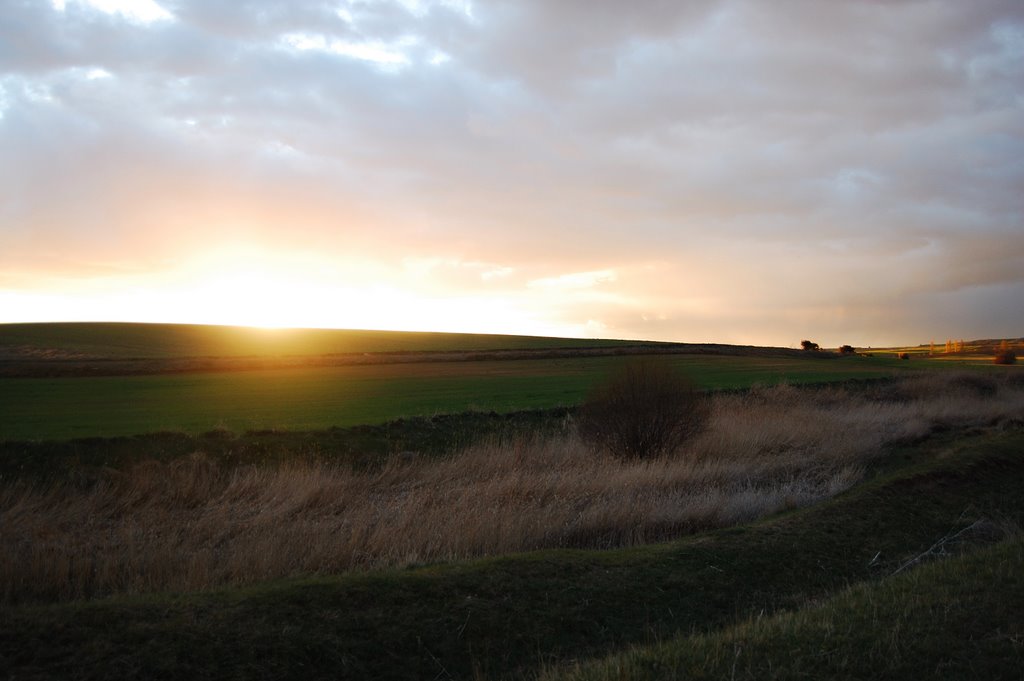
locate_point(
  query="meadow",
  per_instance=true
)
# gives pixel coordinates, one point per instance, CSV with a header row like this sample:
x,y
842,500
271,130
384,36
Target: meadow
x,y
194,524
67,381
306,398
856,517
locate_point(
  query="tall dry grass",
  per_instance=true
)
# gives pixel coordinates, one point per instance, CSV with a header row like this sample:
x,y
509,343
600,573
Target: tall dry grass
x,y
193,525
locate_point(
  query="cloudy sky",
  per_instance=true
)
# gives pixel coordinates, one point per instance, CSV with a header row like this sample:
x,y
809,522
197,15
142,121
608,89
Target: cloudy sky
x,y
739,171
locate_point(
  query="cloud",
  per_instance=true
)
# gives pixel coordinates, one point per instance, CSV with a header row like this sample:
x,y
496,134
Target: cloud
x,y
134,11
575,280
774,163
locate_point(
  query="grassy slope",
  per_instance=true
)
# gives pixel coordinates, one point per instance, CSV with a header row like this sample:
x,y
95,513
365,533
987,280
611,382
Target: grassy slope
x,y
117,340
513,614
310,398
360,446
961,618
124,340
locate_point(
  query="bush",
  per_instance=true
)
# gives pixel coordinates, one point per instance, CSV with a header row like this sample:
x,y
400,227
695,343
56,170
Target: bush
x,y
809,346
904,355
644,411
846,350
1006,356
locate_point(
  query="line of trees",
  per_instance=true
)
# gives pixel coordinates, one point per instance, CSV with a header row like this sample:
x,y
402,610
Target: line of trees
x,y
811,346
953,346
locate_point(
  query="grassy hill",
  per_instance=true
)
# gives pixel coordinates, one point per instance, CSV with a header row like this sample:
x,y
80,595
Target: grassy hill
x,y
163,341
122,340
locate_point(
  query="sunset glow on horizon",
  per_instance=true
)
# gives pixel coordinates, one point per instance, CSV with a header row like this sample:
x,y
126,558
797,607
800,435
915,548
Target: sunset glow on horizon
x,y
734,172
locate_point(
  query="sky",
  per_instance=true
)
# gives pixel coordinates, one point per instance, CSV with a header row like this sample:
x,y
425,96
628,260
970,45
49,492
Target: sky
x,y
738,171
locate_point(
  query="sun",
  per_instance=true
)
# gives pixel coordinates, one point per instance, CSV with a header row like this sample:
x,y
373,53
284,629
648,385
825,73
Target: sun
x,y
250,298
248,286
259,287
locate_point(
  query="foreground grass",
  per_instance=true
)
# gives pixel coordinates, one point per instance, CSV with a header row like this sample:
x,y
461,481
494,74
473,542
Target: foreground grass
x,y
514,614
196,524
315,398
962,618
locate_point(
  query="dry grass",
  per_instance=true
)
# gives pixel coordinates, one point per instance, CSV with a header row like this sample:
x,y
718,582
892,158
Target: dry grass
x,y
193,525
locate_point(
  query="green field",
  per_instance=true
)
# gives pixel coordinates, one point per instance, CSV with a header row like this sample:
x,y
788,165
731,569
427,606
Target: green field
x,y
159,396
165,341
312,398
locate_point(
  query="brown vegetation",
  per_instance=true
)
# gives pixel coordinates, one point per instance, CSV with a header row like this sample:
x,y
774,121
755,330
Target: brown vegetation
x,y
648,409
1005,356
195,525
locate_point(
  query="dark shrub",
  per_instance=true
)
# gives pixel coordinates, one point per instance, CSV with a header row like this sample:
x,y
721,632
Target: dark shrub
x,y
645,410
846,350
904,355
809,346
1006,356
